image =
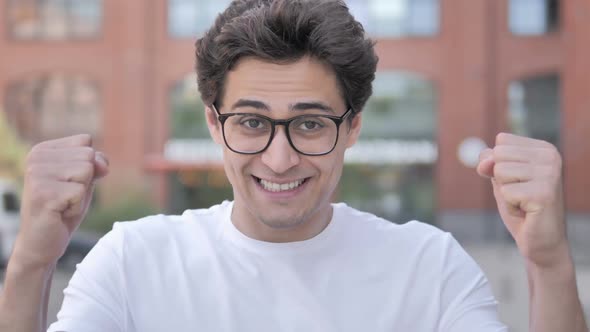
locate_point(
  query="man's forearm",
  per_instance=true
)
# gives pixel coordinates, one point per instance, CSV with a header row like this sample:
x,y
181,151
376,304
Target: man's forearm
x,y
24,298
554,301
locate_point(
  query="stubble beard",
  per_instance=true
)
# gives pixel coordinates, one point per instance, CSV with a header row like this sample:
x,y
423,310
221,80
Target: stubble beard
x,y
284,222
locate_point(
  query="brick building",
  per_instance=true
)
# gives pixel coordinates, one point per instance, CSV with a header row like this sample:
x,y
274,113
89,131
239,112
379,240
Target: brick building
x,y
450,72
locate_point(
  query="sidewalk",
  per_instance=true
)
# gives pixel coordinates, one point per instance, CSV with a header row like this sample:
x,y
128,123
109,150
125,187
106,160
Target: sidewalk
x,y
505,270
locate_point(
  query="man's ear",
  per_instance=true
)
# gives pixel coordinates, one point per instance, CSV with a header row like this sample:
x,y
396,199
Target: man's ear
x,y
213,125
354,130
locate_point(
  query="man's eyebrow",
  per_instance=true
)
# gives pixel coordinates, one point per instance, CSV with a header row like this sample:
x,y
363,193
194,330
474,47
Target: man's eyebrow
x,y
250,103
312,105
301,106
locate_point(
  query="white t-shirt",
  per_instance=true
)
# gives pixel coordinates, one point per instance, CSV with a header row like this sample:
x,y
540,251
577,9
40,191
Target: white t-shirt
x,y
197,272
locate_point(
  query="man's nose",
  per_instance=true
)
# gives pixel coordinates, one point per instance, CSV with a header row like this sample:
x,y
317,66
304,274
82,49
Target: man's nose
x,y
280,155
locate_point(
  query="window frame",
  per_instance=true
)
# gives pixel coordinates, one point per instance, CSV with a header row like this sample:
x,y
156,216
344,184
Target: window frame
x,y
406,35
197,34
551,28
9,25
25,85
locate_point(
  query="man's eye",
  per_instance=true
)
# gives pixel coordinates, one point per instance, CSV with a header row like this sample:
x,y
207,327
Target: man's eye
x,y
310,125
253,123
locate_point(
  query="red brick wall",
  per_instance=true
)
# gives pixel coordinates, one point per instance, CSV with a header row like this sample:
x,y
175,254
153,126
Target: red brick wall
x,y
471,61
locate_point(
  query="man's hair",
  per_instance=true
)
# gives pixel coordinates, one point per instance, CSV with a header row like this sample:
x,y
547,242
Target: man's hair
x,y
284,31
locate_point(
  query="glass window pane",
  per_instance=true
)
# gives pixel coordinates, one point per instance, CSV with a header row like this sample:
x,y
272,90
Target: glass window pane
x,y
54,19
533,17
85,17
397,18
188,127
387,17
187,112
190,18
391,169
182,18
423,17
84,106
401,107
23,19
534,108
381,18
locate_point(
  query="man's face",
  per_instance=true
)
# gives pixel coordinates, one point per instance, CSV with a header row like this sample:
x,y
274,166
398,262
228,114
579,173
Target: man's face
x,y
302,210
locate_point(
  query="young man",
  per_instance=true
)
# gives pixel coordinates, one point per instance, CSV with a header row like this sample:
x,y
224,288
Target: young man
x,y
284,83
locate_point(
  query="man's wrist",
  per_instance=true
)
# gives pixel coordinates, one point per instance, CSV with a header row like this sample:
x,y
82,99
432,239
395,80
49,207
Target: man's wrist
x,y
24,259
24,264
24,297
560,269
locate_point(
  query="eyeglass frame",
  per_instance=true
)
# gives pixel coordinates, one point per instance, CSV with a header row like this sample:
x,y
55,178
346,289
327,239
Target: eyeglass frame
x,y
222,117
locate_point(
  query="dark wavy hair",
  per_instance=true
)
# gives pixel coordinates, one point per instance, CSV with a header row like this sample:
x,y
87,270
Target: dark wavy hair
x,y
284,31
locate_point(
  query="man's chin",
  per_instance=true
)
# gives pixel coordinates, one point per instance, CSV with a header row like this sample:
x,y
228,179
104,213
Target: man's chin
x,y
282,222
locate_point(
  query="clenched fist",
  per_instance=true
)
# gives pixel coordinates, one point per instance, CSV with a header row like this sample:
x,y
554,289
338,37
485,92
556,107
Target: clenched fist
x,y
59,183
527,182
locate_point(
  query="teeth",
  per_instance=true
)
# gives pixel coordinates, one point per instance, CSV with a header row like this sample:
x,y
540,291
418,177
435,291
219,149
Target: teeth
x,y
276,187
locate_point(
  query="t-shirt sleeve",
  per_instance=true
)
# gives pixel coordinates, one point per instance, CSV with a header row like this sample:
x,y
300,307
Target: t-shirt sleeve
x,y
94,299
467,301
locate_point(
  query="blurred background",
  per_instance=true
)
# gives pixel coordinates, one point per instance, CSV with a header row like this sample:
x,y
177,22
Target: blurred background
x,y
452,74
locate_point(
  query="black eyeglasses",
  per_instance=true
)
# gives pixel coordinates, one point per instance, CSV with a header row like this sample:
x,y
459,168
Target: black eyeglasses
x,y
308,134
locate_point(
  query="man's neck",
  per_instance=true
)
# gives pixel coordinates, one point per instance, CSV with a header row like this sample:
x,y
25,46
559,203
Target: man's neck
x,y
255,228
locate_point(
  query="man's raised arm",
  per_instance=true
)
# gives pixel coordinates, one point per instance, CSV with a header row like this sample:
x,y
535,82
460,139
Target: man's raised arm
x,y
59,183
527,181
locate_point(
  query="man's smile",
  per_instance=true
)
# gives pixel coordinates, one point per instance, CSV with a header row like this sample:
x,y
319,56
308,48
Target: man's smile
x,y
280,185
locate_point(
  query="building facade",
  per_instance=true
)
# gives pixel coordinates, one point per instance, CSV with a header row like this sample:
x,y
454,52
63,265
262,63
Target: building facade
x,y
451,75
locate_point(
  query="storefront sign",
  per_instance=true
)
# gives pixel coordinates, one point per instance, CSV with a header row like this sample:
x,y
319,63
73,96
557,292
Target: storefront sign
x,y
377,152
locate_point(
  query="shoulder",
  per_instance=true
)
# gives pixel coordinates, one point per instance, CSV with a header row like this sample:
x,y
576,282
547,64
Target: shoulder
x,y
416,240
189,218
370,224
158,230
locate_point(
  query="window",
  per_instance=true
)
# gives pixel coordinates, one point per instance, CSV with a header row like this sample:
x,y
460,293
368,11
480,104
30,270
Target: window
x,y
54,19
391,169
188,127
190,18
187,112
397,18
402,106
381,18
533,17
533,108
53,105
